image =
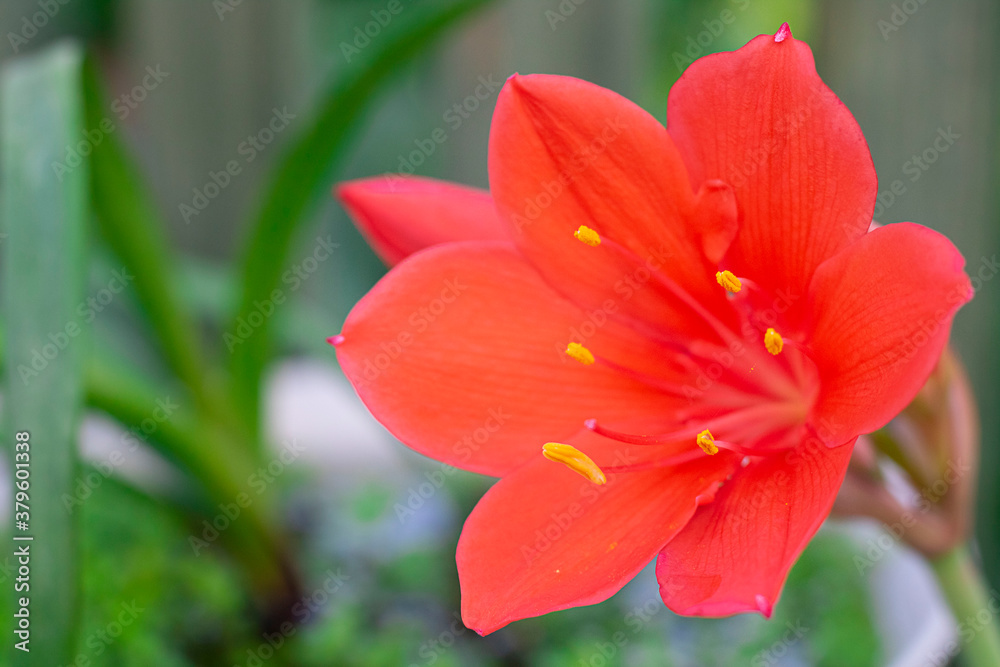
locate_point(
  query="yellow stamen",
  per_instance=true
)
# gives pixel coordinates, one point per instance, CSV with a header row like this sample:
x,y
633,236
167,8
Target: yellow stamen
x,y
580,353
575,460
729,281
773,341
588,236
707,443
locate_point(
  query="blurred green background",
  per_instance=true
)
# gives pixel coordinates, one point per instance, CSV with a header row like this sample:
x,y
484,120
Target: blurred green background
x,y
358,578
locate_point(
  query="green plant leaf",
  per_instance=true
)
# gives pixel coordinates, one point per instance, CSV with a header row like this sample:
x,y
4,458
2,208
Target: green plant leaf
x,y
306,170
45,214
133,228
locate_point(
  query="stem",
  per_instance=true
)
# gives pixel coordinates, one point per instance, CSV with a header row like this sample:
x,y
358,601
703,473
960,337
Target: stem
x,y
974,609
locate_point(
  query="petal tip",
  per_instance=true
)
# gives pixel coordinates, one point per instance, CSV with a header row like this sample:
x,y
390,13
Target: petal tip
x,y
335,340
481,627
764,605
590,423
784,32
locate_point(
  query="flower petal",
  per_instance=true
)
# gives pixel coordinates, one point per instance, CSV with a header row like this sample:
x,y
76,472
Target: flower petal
x,y
544,538
460,352
761,120
400,215
882,311
735,554
565,153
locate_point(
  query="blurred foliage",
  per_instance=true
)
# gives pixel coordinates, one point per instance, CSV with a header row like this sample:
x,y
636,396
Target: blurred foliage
x,y
179,609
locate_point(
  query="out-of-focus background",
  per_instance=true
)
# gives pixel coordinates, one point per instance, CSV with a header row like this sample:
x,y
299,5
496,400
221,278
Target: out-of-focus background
x,y
364,530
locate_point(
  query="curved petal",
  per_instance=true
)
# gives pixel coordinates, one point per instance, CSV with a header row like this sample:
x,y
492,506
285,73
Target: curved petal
x,y
566,153
735,554
399,215
544,538
460,352
882,311
762,120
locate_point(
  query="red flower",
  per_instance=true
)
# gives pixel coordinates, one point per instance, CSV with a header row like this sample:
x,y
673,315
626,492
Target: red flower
x,y
709,346
399,216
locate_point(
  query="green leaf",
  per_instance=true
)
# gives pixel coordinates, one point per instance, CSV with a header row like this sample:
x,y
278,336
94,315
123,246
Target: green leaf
x,y
45,214
133,228
306,170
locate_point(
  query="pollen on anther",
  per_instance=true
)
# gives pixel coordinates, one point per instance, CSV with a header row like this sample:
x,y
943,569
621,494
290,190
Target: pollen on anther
x,y
729,281
580,353
575,460
707,442
773,341
587,235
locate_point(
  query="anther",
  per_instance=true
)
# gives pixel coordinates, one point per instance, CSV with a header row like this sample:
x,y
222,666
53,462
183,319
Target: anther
x,y
575,460
773,341
580,353
707,442
729,281
587,235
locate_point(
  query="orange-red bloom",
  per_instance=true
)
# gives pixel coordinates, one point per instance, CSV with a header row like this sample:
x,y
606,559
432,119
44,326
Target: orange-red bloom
x,y
694,322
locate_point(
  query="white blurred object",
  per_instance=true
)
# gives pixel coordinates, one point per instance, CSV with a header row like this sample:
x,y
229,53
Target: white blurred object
x,y
913,620
314,405
112,450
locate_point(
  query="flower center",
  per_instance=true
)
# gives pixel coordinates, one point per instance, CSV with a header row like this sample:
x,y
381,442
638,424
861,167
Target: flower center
x,y
748,392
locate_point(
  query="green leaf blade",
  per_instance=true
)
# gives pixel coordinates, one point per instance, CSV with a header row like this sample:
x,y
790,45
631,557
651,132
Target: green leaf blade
x,y
44,216
134,229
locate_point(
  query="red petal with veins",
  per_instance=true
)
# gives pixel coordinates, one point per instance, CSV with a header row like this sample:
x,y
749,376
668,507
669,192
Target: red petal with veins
x,y
761,120
565,153
735,554
458,351
401,215
544,538
882,311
